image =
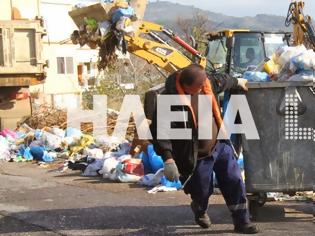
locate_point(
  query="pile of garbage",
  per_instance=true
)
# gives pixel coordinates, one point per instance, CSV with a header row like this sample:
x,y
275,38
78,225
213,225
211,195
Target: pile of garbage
x,y
104,26
286,64
47,116
103,156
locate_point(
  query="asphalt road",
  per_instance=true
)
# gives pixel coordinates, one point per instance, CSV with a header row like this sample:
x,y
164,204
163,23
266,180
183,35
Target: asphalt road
x,y
37,201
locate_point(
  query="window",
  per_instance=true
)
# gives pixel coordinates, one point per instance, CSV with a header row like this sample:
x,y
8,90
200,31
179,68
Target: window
x,y
65,65
248,51
88,68
61,65
217,53
69,65
24,47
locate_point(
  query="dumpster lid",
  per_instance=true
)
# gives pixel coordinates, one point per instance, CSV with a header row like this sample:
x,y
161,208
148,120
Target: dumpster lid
x,y
274,84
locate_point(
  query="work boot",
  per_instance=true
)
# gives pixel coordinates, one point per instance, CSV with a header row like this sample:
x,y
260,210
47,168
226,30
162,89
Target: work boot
x,y
246,229
201,218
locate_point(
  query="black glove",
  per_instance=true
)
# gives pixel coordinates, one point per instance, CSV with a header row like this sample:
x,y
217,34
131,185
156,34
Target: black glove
x,y
171,171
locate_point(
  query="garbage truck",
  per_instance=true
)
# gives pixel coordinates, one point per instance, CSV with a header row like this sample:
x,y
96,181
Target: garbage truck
x,y
21,62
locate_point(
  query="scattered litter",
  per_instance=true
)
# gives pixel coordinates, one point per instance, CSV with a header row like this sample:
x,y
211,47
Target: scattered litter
x,y
299,196
161,189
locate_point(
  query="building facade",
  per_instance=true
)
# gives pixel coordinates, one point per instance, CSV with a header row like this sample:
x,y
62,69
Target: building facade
x,y
70,66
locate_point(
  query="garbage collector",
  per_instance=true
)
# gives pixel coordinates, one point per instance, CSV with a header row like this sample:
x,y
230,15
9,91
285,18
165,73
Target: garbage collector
x,y
193,161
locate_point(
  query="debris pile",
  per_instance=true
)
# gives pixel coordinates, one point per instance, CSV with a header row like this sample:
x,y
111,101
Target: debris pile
x,y
104,26
292,64
286,64
104,156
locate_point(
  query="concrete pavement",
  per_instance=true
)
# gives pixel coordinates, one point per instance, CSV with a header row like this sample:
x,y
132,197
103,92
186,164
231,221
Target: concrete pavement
x,y
37,201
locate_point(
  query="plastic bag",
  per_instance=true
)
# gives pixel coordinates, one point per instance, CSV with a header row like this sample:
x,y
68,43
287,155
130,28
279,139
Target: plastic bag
x,y
51,141
161,189
110,141
109,166
49,156
256,76
93,168
9,134
37,152
27,154
59,132
152,180
303,62
124,25
72,132
94,153
156,161
169,184
4,149
38,134
120,176
121,12
85,141
288,53
127,178
104,27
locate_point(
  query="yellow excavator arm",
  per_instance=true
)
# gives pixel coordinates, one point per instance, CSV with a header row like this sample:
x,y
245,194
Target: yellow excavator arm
x,y
157,51
303,29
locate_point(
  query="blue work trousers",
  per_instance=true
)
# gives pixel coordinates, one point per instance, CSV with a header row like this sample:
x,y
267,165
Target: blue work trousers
x,y
200,186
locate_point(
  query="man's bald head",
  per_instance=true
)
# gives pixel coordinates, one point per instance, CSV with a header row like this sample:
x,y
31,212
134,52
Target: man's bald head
x,y
192,78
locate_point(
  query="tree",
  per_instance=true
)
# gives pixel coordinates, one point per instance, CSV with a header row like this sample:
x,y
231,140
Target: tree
x,y
197,26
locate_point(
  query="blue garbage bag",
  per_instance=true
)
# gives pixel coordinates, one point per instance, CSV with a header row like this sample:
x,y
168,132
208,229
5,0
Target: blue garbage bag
x,y
72,132
146,164
47,157
38,134
27,154
256,76
156,161
167,183
21,150
37,153
151,161
120,12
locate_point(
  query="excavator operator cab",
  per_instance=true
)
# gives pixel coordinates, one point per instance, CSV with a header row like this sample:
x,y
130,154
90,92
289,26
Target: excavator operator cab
x,y
236,51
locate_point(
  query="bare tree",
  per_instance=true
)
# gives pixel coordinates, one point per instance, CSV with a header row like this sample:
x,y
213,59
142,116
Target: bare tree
x,y
197,26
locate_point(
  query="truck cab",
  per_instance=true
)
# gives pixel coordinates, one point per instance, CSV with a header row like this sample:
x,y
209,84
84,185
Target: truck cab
x,y
235,51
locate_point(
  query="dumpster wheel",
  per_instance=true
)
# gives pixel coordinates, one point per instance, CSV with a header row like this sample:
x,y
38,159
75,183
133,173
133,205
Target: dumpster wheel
x,y
255,202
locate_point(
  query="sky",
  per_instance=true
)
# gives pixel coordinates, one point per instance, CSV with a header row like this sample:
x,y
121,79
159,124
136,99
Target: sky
x,y
247,7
